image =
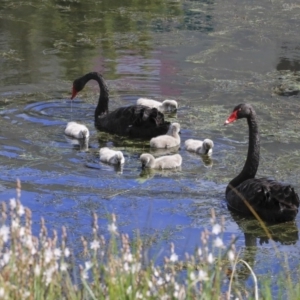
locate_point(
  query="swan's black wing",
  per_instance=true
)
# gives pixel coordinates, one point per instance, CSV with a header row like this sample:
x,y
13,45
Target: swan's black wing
x,y
272,200
135,121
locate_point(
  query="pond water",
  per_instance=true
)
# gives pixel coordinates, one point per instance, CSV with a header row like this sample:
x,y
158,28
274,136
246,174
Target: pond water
x,y
209,56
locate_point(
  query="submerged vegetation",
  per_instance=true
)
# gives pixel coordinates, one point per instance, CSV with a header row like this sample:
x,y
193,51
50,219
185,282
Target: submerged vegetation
x,y
43,266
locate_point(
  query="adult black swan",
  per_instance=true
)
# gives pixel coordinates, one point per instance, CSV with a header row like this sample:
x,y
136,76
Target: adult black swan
x,y
271,200
136,121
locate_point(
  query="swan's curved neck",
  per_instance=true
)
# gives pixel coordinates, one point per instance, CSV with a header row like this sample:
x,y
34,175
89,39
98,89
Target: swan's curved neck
x,y
102,106
252,161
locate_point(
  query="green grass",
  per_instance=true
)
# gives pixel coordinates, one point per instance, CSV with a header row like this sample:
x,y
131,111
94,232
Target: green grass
x,y
40,267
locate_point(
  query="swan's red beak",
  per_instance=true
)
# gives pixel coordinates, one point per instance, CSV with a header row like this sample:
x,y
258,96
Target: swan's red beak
x,y
233,117
74,93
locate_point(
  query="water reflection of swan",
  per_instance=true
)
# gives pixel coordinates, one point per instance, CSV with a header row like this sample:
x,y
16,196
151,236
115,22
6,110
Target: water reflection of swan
x,y
254,234
136,121
207,161
79,144
284,234
150,173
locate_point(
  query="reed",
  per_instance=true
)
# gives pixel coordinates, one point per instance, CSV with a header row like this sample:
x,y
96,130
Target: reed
x,y
41,267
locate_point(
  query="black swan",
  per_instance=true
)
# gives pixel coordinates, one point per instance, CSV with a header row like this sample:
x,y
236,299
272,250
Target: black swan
x,y
271,200
136,121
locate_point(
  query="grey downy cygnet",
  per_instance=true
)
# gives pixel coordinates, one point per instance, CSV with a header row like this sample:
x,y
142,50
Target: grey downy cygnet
x,y
76,130
201,147
167,105
111,156
161,163
172,139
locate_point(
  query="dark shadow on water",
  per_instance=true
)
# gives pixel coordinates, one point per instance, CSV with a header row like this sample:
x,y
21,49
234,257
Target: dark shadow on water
x,y
255,236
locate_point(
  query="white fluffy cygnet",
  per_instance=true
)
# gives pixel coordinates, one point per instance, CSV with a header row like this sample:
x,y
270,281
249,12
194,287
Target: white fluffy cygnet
x,y
163,162
111,156
76,130
165,106
201,147
172,139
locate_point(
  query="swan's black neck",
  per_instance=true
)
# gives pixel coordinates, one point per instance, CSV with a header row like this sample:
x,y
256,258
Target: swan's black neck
x,y
252,161
102,106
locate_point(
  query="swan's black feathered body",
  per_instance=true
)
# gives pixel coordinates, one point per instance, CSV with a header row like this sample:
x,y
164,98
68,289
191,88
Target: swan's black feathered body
x,y
270,199
136,121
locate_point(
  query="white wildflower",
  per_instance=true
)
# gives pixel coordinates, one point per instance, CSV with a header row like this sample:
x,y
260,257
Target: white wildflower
x,y
33,250
48,255
192,276
150,284
6,257
21,210
128,257
218,242
230,255
22,231
216,229
138,295
135,267
57,252
15,224
199,251
202,275
210,258
37,270
95,245
176,286
67,252
129,290
167,277
126,267
173,257
48,276
2,292
63,267
13,203
4,233
112,228
88,265
160,281
25,294
27,241
85,274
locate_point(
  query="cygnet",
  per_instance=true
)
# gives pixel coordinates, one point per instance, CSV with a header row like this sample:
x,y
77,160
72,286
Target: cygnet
x,y
111,156
201,147
76,130
163,162
172,139
165,106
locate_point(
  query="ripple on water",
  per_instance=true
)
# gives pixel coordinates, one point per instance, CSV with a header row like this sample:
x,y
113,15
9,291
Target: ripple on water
x,y
57,112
